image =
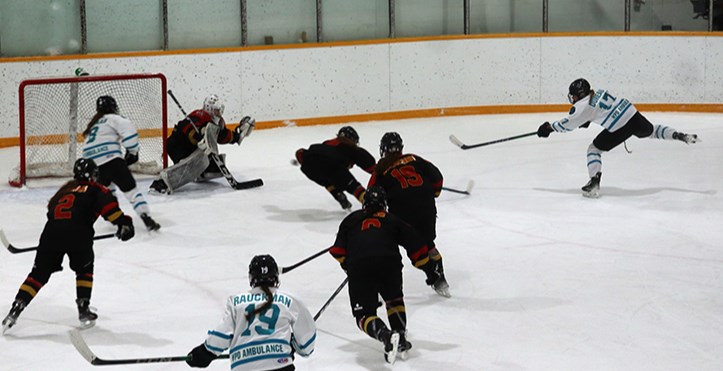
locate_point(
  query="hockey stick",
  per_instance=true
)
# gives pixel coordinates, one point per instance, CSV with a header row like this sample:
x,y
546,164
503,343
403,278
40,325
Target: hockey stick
x,y
77,339
293,266
323,307
18,250
459,143
221,166
467,191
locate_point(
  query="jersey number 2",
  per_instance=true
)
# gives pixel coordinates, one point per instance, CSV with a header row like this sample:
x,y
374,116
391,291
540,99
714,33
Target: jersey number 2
x,y
407,177
268,320
62,209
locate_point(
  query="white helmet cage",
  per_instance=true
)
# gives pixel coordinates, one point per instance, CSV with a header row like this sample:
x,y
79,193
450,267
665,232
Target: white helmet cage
x,y
212,104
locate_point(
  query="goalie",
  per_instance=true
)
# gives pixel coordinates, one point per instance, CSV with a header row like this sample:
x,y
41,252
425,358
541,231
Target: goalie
x,y
193,140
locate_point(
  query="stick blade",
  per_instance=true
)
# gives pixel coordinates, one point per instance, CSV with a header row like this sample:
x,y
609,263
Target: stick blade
x,y
470,185
248,184
77,339
4,240
456,141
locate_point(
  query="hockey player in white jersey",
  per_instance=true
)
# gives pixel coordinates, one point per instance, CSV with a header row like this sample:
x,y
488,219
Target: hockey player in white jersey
x,y
617,116
262,328
106,135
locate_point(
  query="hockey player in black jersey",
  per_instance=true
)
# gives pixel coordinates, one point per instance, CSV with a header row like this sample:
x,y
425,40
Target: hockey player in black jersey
x,y
412,185
367,246
69,231
328,164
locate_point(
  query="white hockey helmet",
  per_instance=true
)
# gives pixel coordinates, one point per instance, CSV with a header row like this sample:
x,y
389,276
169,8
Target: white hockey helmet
x,y
213,105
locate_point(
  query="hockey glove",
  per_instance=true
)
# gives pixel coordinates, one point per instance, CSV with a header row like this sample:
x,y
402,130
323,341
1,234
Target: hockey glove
x,y
200,357
203,146
131,158
544,130
125,228
244,129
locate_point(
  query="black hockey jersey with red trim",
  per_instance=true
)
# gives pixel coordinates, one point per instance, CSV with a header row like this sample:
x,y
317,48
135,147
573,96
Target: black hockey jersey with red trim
x,y
81,202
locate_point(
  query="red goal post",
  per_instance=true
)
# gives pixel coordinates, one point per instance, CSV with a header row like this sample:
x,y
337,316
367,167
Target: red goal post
x,y
55,111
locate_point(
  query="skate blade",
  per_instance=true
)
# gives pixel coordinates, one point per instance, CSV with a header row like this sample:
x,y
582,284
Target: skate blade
x,y
443,292
84,325
403,355
591,194
6,328
391,356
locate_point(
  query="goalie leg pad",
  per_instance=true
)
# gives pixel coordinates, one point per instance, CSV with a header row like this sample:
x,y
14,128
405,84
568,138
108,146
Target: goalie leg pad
x,y
186,171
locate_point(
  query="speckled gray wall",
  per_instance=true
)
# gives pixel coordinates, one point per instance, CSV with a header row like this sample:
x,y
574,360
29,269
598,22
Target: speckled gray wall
x,y
344,80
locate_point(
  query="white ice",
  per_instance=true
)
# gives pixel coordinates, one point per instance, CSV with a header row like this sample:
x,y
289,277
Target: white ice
x,y
541,278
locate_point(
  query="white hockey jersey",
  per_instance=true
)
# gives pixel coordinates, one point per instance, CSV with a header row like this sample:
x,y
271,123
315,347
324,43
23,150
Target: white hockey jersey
x,y
601,108
106,137
265,342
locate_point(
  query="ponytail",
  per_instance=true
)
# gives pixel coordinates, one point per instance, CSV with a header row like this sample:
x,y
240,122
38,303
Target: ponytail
x,y
92,122
267,304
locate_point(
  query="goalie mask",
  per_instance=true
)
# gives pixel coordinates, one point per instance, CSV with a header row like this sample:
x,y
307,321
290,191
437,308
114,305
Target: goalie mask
x,y
106,104
213,106
85,169
391,142
263,271
578,89
375,199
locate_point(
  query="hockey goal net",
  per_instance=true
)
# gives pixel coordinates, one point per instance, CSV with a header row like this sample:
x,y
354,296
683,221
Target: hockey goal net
x,y
55,111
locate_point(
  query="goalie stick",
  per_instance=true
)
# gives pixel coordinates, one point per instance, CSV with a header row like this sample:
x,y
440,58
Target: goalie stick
x,y
459,143
77,339
221,166
18,250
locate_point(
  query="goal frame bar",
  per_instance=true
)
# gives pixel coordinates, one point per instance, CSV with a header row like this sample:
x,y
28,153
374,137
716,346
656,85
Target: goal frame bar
x,y
95,78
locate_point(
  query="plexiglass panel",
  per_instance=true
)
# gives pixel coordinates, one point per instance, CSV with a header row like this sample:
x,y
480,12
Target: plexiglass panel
x,y
355,20
505,16
204,24
126,25
39,27
586,15
281,21
656,15
429,17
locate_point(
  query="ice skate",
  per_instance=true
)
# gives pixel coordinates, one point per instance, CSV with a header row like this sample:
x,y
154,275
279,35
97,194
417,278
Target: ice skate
x,y
150,223
85,315
441,286
391,346
592,188
687,138
159,187
404,347
340,197
13,315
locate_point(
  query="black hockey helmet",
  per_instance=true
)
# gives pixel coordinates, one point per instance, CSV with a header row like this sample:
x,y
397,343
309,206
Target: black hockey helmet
x,y
579,89
349,133
106,104
375,199
263,271
391,142
85,169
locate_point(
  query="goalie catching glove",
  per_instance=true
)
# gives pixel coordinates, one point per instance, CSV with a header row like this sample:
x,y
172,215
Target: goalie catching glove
x,y
125,228
244,129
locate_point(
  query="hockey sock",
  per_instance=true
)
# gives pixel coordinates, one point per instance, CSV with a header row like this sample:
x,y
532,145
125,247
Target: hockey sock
x,y
662,132
373,326
83,285
136,199
29,289
397,314
594,160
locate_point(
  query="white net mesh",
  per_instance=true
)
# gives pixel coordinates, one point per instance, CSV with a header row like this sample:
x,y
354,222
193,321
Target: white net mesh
x,y
56,111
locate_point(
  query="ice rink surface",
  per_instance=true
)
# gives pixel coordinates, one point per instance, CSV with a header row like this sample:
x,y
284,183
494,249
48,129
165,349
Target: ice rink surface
x,y
541,278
